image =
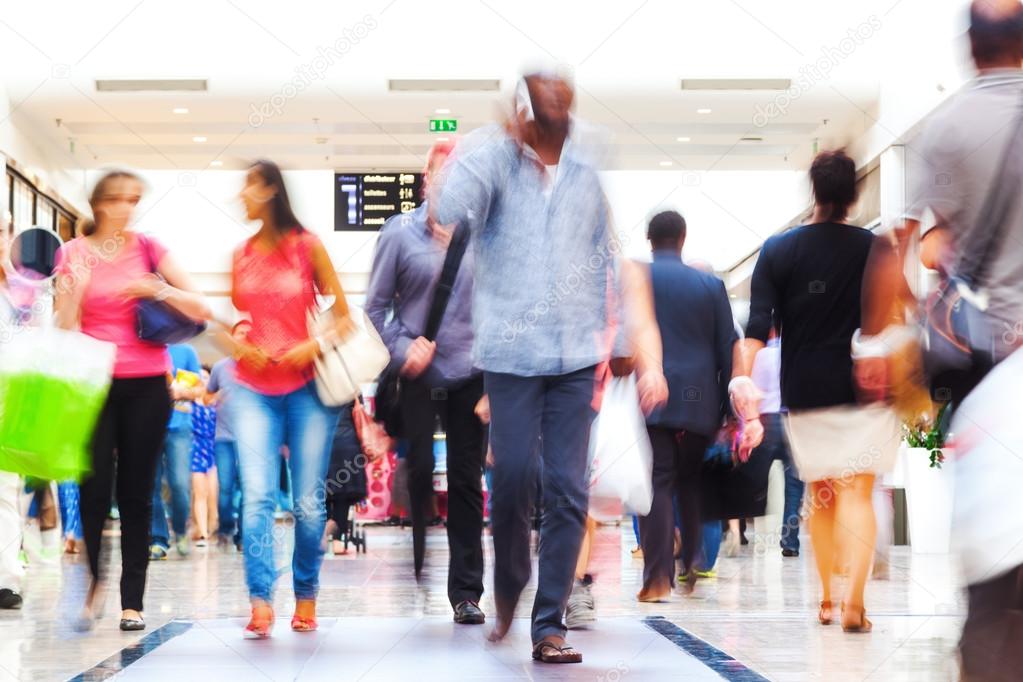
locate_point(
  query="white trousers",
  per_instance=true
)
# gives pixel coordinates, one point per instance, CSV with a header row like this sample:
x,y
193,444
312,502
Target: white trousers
x,y
11,524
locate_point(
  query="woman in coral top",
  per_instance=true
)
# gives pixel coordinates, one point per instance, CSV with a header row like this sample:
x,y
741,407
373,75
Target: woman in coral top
x,y
275,278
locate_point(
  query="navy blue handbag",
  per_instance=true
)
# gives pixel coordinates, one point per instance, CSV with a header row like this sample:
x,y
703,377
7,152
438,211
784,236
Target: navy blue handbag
x,y
158,322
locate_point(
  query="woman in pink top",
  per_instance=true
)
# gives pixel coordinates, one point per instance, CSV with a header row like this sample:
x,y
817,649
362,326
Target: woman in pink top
x,y
101,276
276,276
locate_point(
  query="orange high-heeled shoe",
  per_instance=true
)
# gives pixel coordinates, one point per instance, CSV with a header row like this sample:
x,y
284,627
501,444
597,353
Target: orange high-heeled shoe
x,y
261,622
304,619
821,618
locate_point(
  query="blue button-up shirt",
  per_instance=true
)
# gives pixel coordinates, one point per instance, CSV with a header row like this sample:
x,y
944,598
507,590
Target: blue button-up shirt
x,y
545,296
406,268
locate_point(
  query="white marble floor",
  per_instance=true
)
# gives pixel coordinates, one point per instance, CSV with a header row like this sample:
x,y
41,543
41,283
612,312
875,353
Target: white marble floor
x,y
378,624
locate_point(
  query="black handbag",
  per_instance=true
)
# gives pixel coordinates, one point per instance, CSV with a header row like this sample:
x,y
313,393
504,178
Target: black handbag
x,y
387,403
158,322
959,335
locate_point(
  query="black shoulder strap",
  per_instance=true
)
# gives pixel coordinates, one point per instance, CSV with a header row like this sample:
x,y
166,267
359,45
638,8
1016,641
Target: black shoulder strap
x,y
446,283
997,209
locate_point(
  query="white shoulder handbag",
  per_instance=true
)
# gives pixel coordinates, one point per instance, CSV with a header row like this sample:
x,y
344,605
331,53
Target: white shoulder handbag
x,y
347,363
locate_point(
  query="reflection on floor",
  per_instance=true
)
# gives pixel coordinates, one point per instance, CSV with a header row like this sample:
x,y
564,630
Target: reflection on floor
x,y
378,624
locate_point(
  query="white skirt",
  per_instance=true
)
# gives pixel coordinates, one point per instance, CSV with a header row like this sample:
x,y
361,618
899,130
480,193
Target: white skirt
x,y
842,441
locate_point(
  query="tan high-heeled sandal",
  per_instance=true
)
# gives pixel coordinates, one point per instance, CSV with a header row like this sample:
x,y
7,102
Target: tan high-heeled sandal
x,y
863,626
820,613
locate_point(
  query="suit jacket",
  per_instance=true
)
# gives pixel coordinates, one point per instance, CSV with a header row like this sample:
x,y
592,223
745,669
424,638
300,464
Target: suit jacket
x,y
697,335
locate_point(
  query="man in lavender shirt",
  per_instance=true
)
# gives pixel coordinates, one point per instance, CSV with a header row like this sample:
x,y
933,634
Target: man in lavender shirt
x,y
438,381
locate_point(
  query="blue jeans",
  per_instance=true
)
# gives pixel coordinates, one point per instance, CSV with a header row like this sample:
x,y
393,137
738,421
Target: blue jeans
x,y
711,545
176,460
225,453
525,411
778,446
300,421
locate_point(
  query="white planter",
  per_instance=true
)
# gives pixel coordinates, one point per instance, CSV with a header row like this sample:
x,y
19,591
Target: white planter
x,y
929,494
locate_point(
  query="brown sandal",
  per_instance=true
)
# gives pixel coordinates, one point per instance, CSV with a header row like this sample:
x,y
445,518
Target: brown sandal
x,y
863,626
820,613
547,651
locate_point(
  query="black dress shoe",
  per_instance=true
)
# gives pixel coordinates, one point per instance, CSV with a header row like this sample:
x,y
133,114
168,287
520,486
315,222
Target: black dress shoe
x,y
469,613
9,599
132,624
790,552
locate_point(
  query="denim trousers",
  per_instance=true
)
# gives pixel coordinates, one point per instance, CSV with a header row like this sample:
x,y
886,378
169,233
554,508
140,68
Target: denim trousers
x,y
303,423
777,445
225,454
176,461
556,411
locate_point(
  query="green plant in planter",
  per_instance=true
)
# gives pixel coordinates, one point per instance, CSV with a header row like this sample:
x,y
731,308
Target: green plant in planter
x,y
930,434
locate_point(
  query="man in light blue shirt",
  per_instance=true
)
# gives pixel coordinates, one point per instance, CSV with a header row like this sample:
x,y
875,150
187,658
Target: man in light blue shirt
x,y
544,309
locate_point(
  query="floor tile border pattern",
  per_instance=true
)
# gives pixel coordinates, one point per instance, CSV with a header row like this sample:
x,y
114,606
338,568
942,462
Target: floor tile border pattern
x,y
712,657
106,669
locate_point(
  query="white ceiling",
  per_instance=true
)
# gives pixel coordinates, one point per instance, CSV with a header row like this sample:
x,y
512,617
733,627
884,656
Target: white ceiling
x,y
627,58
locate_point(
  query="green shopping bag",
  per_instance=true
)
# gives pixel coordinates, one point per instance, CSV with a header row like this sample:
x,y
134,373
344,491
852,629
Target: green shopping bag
x,y
53,384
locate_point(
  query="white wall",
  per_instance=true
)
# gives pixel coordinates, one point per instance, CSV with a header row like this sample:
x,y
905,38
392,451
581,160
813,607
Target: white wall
x,y
53,170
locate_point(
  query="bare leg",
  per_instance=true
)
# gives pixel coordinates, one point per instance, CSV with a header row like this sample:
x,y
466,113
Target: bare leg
x,y
584,551
822,535
856,529
199,513
212,493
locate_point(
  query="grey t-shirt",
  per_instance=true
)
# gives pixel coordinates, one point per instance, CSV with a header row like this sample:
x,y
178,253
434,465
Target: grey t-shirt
x,y
952,167
222,380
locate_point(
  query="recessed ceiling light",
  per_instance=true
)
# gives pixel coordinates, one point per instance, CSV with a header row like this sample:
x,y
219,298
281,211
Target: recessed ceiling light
x,y
682,139
442,111
665,163
216,163
198,138
703,111
180,110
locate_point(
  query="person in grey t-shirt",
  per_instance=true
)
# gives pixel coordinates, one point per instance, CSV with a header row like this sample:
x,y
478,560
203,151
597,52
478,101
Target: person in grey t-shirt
x,y
961,151
225,449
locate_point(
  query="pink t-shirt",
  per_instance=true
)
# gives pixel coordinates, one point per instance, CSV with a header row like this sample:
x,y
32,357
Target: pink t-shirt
x,y
276,289
107,314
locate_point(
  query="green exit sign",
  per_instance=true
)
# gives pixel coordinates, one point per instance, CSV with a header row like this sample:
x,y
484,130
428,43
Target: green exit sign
x,y
443,125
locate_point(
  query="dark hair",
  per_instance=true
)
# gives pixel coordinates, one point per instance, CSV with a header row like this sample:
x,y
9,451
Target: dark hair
x,y
666,230
283,217
995,37
833,176
87,226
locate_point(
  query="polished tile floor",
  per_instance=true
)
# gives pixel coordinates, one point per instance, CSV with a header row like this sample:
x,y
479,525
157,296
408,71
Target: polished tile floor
x,y
378,624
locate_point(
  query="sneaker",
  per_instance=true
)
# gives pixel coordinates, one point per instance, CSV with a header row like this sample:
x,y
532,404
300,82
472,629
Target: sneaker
x,y
581,609
709,573
181,544
201,543
9,599
157,553
789,552
469,613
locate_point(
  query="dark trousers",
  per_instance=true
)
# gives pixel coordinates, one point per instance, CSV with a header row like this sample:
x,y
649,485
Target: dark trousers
x,y
989,647
133,423
678,459
421,406
557,412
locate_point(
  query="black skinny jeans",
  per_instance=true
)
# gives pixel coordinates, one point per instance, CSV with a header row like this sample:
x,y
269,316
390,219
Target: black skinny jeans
x,y
421,405
133,424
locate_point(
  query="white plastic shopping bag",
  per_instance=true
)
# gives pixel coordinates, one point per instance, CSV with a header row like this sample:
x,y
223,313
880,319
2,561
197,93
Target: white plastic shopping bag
x,y
621,461
987,512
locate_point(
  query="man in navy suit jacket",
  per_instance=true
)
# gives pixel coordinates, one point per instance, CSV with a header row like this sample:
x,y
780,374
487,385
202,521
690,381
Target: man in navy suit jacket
x,y
698,338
